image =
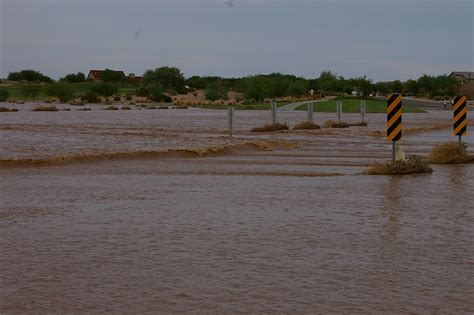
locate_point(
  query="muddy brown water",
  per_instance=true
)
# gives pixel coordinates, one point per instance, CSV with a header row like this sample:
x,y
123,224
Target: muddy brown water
x,y
273,228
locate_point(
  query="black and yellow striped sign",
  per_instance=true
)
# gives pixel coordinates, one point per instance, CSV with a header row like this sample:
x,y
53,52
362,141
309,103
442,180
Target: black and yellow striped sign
x,y
460,116
394,117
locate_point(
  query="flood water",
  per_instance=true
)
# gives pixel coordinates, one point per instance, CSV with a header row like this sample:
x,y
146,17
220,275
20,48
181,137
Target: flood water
x,y
95,218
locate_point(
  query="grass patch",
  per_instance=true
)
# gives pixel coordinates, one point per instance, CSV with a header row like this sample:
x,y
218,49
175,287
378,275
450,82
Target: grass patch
x,y
353,106
449,153
305,125
110,108
413,165
336,124
45,109
271,127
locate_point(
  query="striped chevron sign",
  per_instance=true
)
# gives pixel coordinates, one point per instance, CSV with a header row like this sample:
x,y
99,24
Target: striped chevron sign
x,y
394,117
460,116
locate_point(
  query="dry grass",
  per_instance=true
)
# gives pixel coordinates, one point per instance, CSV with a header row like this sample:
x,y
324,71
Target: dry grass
x,y
45,109
126,108
413,165
110,108
449,153
85,109
151,107
182,107
336,124
163,107
305,125
271,127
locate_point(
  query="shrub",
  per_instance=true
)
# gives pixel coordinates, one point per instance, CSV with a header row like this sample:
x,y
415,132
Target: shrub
x,y
4,110
306,125
271,127
126,108
117,98
110,108
410,166
4,95
45,109
335,124
163,107
60,90
128,97
449,153
85,109
90,97
359,124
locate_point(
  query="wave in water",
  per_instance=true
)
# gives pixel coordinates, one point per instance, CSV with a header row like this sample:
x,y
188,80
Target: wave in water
x,y
192,152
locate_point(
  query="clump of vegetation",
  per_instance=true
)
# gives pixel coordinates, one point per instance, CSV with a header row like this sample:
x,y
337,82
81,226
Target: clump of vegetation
x,y
128,97
336,124
45,109
66,109
126,108
271,127
449,153
182,107
413,165
4,95
85,109
62,91
163,107
117,98
90,97
358,124
110,108
7,110
306,125
150,107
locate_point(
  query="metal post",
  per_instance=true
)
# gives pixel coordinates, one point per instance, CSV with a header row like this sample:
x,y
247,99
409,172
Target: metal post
x,y
309,112
230,116
362,110
393,152
460,142
274,112
339,110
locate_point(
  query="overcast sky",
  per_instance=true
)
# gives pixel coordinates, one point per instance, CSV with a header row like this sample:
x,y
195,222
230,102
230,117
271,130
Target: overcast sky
x,y
383,39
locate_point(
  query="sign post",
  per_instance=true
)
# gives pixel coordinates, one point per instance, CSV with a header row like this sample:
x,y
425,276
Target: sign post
x,y
460,117
394,121
362,110
309,112
339,110
274,112
230,116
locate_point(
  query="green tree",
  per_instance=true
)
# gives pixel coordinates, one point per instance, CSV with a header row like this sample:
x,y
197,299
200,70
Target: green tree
x,y
298,88
104,89
111,76
60,90
215,91
410,87
74,78
4,95
155,92
31,90
170,78
29,75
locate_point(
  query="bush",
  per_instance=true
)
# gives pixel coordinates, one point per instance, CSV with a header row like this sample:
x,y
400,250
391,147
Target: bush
x,y
90,97
449,153
117,98
60,90
45,109
335,124
128,97
126,108
110,108
306,125
85,109
271,127
4,95
410,166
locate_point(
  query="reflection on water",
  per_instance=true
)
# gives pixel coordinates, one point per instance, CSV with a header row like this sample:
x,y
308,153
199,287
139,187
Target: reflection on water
x,y
246,231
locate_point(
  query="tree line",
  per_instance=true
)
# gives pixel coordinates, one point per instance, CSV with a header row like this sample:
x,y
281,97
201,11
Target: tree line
x,y
161,82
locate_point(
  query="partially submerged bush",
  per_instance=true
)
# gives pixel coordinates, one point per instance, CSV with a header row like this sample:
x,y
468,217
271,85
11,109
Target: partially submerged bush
x,y
150,107
271,127
182,107
306,125
45,109
7,110
336,124
85,109
449,153
126,108
412,165
163,107
358,124
110,108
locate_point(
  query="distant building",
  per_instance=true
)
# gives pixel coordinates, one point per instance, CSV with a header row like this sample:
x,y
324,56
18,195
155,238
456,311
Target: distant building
x,y
96,75
466,83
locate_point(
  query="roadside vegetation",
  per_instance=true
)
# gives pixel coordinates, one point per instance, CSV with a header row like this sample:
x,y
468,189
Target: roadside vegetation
x,y
271,127
413,165
450,153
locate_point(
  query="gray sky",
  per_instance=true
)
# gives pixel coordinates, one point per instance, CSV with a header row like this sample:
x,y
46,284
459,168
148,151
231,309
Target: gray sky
x,y
384,39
